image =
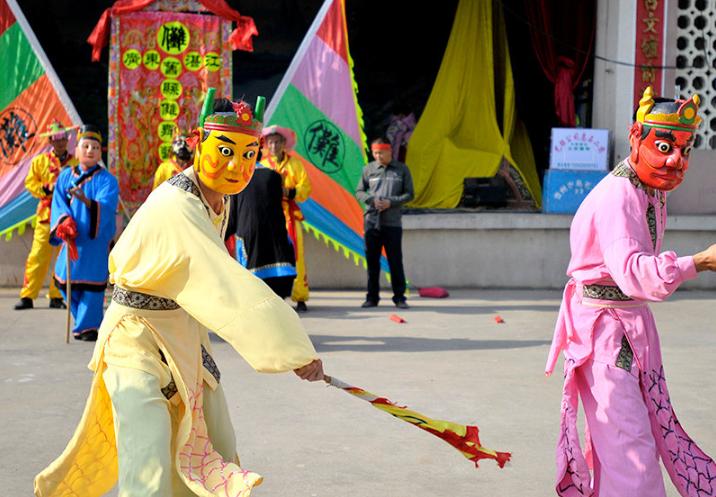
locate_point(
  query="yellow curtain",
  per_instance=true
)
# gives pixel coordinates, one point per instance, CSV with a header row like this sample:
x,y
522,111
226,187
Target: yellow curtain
x,y
470,121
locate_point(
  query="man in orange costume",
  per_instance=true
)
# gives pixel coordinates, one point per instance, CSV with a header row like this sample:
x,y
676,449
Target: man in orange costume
x,y
296,188
40,182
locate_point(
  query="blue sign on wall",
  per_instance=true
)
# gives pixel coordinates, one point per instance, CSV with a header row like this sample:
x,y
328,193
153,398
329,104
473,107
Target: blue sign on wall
x,y
565,189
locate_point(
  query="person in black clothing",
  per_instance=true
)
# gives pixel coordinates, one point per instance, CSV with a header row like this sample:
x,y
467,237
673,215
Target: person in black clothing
x,y
385,185
263,245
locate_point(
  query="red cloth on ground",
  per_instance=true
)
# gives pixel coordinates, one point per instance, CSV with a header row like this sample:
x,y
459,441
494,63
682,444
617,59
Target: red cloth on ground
x,y
433,292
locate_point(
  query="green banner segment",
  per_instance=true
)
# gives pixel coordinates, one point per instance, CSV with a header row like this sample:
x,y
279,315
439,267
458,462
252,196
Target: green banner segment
x,y
21,67
322,142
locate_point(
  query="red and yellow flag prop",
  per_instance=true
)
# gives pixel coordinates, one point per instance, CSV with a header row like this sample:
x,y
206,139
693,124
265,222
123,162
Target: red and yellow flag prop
x,y
463,438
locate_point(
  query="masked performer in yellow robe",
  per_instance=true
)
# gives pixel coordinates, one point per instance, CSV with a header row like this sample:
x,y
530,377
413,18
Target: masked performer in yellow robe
x,y
156,417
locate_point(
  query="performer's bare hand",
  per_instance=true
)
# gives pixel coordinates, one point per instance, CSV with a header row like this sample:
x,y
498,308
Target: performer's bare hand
x,y
706,260
311,372
79,195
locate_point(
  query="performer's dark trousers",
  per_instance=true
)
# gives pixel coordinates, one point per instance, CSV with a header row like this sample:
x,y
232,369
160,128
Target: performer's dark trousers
x,y
281,285
390,238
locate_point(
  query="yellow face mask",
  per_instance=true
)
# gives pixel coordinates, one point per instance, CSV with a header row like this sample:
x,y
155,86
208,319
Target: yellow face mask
x,y
225,160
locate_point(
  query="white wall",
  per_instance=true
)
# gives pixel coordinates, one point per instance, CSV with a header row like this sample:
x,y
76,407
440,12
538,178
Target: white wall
x,y
614,83
613,98
492,250
456,250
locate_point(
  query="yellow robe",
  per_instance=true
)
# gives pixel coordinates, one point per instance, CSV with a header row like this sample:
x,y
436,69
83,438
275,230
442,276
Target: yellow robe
x,y
294,177
166,170
44,170
172,249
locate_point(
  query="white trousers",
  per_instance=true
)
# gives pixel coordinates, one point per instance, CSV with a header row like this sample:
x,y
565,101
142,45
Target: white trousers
x,y
145,425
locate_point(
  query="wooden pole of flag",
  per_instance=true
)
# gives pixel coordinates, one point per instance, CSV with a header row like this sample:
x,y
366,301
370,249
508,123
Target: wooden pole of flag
x,y
69,293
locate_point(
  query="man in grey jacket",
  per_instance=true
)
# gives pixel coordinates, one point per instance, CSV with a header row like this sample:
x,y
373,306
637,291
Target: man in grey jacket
x,y
385,185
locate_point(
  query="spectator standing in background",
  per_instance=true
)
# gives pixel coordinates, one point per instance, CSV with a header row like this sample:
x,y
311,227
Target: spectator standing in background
x,y
384,187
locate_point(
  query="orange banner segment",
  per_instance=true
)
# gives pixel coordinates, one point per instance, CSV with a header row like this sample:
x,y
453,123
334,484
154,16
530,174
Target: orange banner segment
x,y
333,197
30,114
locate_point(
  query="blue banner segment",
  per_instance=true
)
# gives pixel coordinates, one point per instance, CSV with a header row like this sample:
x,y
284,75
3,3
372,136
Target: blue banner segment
x,y
17,210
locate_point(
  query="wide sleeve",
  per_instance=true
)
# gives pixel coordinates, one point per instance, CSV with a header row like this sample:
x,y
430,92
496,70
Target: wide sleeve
x,y
170,249
60,204
103,207
643,275
33,181
627,248
300,180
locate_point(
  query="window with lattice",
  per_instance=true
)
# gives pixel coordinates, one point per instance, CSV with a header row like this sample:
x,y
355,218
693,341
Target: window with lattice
x,y
696,62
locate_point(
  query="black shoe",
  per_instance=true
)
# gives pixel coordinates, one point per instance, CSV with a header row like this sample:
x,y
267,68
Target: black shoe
x,y
87,336
57,304
24,303
369,303
402,304
301,307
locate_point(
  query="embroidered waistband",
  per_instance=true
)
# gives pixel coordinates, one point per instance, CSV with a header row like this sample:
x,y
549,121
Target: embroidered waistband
x,y
138,300
171,389
210,365
602,292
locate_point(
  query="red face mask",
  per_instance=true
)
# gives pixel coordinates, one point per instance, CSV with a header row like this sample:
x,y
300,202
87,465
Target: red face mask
x,y
661,158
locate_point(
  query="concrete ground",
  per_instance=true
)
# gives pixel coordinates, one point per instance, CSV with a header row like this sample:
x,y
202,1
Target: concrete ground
x,y
449,361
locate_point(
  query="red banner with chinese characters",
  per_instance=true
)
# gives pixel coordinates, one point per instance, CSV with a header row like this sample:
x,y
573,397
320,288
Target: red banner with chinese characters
x,y
649,47
161,64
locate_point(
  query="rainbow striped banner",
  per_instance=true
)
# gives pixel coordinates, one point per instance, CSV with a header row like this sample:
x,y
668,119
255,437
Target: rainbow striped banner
x,y
31,95
317,99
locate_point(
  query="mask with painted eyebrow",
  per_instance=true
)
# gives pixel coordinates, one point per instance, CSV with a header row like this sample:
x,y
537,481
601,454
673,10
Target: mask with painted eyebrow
x,y
661,158
225,160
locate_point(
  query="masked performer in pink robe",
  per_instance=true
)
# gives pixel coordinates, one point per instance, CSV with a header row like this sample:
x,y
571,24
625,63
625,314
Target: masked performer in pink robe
x,y
607,332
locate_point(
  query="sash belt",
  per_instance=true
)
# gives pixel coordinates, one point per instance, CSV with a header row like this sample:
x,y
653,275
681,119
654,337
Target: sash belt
x,y
138,300
602,292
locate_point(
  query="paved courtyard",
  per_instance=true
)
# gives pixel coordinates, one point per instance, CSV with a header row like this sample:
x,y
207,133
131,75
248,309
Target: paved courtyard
x,y
450,360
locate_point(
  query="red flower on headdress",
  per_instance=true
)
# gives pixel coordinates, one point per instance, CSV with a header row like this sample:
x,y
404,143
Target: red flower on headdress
x,y
243,112
193,139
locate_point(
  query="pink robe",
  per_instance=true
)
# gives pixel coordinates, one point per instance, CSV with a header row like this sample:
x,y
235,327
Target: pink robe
x,y
616,268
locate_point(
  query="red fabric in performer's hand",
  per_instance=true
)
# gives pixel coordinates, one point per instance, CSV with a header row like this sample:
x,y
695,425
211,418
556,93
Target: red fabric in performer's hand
x,y
67,231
